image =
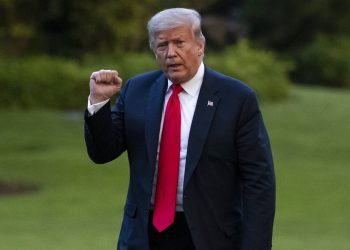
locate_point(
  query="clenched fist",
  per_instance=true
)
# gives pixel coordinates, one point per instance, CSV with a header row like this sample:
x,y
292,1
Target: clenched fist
x,y
103,85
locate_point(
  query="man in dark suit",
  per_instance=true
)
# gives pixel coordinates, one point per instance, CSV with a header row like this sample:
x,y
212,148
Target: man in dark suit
x,y
201,170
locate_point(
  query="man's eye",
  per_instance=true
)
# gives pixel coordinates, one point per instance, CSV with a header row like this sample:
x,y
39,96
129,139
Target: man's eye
x,y
161,47
180,43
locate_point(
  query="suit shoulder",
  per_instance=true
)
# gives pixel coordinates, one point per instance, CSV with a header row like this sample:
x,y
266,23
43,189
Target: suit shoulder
x,y
142,82
146,77
228,83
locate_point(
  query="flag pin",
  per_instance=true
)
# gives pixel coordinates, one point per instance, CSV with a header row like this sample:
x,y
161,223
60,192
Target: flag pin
x,y
210,103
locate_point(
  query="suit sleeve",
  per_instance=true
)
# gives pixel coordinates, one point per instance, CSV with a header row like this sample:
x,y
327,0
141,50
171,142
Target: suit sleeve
x,y
257,177
104,132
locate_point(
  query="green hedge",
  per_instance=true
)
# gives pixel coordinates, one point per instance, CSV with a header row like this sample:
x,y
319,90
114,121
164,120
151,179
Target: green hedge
x,y
260,69
326,61
128,65
42,82
57,83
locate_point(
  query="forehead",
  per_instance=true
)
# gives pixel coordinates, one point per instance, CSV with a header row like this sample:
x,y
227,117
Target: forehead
x,y
184,32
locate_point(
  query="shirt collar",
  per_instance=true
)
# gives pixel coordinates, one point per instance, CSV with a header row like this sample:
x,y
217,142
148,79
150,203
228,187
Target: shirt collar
x,y
192,86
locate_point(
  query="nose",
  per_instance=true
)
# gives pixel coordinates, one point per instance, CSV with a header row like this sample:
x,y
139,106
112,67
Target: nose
x,y
171,50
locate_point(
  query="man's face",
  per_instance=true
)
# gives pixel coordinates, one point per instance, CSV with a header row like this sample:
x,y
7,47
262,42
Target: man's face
x,y
178,53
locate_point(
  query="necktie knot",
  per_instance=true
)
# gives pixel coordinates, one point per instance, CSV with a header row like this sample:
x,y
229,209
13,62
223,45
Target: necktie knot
x,y
176,89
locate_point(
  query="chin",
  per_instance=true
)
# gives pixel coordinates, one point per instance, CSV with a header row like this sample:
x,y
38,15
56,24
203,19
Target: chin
x,y
176,78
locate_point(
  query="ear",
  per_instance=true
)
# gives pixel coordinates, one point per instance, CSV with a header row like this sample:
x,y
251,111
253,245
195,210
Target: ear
x,y
200,48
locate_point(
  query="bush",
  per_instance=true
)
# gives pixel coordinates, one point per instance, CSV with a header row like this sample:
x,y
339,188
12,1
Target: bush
x,y
326,61
127,65
43,82
267,75
57,83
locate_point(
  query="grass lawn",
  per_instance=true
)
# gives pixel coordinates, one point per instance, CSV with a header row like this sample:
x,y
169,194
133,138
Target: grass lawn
x,y
79,205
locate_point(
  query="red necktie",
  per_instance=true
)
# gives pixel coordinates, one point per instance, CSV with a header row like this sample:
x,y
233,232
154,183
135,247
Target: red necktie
x,y
168,164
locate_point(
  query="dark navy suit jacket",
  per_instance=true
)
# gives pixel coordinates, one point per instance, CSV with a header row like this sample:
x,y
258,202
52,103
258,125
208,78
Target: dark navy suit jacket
x,y
229,186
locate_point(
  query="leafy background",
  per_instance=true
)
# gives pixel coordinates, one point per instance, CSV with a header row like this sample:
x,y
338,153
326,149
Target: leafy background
x,y
295,54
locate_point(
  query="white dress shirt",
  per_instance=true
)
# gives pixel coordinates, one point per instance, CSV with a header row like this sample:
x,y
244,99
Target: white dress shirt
x,y
188,100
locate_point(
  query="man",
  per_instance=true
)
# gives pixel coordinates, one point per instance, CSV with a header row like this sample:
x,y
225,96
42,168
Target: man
x,y
201,171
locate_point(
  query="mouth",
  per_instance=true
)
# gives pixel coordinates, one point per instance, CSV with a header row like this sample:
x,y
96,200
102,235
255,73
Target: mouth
x,y
174,66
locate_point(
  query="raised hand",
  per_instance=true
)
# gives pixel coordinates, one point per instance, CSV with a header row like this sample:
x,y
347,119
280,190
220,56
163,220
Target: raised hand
x,y
103,85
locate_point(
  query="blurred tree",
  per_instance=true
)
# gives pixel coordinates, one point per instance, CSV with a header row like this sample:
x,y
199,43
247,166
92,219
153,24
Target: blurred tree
x,y
325,61
290,24
223,23
314,34
67,27
17,26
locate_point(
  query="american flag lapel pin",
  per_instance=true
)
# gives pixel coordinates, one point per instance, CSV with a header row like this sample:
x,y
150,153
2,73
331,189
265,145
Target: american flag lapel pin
x,y
210,104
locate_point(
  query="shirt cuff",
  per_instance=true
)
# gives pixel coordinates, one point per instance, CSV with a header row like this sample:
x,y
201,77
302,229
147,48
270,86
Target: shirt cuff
x,y
93,108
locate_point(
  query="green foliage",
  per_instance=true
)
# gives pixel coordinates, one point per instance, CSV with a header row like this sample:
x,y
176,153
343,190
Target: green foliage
x,y
127,65
313,34
59,83
43,82
64,27
76,28
260,69
326,61
63,83
291,24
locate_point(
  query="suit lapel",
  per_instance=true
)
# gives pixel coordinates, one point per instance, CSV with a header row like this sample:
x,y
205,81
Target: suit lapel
x,y
208,100
153,117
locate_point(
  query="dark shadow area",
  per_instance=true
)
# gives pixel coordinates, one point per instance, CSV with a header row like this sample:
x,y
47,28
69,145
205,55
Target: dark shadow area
x,y
17,188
